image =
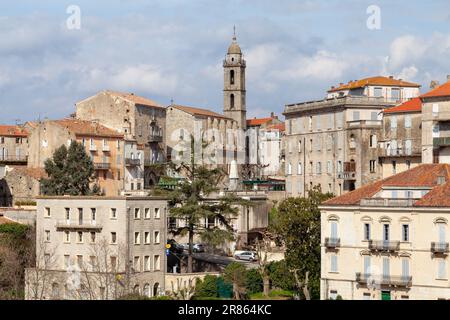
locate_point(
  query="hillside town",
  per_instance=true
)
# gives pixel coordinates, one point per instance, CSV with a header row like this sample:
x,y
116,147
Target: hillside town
x,y
127,196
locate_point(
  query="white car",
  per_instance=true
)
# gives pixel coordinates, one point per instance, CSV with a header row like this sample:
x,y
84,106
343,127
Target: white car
x,y
246,255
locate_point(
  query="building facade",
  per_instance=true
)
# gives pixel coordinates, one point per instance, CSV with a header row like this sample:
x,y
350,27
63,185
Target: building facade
x,y
333,143
105,147
389,240
137,118
98,248
13,145
401,141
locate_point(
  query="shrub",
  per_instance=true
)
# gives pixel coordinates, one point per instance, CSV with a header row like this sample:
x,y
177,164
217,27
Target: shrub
x,y
25,203
207,287
280,276
253,281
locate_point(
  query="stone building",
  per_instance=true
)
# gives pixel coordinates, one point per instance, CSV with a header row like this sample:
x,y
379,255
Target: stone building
x,y
436,125
98,248
389,240
134,168
104,145
13,145
333,142
401,141
137,118
20,184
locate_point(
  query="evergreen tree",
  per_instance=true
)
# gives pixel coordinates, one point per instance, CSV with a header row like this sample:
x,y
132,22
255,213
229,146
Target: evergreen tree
x,y
70,172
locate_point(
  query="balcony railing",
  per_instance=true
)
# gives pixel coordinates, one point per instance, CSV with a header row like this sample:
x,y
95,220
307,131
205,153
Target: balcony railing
x,y
384,246
11,159
132,162
155,138
102,165
78,225
384,280
385,202
401,152
439,247
332,242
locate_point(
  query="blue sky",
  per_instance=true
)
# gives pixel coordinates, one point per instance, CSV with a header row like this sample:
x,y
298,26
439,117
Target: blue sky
x,y
173,49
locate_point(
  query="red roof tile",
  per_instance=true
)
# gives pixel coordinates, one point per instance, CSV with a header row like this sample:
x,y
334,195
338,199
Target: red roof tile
x,y
437,197
88,128
257,122
413,105
441,91
374,81
279,127
12,131
137,99
425,175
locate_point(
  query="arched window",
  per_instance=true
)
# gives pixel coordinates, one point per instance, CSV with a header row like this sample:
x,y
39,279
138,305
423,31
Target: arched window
x,y
55,291
232,101
232,77
156,290
147,290
136,289
352,142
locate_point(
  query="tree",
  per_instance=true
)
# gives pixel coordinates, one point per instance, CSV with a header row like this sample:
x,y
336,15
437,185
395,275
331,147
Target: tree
x,y
236,274
262,248
70,171
253,281
206,287
298,228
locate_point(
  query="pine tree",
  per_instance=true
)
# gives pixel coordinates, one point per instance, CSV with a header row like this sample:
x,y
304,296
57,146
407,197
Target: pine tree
x,y
70,172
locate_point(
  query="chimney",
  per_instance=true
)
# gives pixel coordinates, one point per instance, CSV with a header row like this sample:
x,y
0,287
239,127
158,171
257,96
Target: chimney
x,y
434,84
272,115
448,77
391,77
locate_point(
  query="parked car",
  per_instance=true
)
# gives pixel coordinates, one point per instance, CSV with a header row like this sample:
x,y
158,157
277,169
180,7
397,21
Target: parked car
x,y
198,247
175,246
246,255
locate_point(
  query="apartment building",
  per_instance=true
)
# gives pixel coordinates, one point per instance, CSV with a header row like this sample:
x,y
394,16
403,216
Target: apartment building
x,y
13,145
333,142
134,168
105,147
389,240
136,117
269,132
98,248
401,141
436,124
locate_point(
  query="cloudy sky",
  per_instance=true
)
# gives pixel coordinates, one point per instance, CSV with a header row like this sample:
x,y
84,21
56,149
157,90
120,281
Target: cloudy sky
x,y
173,49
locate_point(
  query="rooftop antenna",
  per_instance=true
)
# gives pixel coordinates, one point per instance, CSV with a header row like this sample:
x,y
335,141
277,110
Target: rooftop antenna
x,y
234,32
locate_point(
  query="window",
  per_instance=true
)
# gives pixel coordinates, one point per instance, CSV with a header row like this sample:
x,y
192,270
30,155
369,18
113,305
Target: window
x,y
47,212
366,296
318,124
394,122
407,121
310,123
80,216
329,167
231,76
156,237
405,233
367,265
66,236
300,146
113,238
137,213
311,167
333,294
299,168
441,269
394,167
289,169
386,267
113,213
66,261
373,141
147,237
157,263
93,214
367,231
385,232
80,237
356,115
137,264
319,167
147,263
147,213
47,235
113,261
137,238
93,234
408,147
372,166
405,267
232,101
157,213
435,109
395,94
333,263
333,230
352,144
374,116
80,261
441,229
378,92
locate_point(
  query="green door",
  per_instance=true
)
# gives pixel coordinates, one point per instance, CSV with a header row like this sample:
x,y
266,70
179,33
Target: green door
x,y
385,295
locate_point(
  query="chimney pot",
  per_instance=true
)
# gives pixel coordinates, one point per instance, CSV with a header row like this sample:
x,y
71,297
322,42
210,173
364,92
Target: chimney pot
x,y
434,84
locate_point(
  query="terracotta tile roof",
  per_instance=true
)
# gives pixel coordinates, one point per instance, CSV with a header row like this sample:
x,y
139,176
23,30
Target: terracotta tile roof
x,y
136,99
13,131
425,175
437,197
88,128
441,91
413,105
257,122
280,127
199,112
374,81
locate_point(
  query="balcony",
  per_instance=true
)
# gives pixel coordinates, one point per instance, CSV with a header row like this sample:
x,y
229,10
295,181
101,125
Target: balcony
x,y
332,243
384,246
13,159
441,142
105,148
78,225
383,280
385,202
102,166
132,162
349,172
440,247
155,138
92,147
399,152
